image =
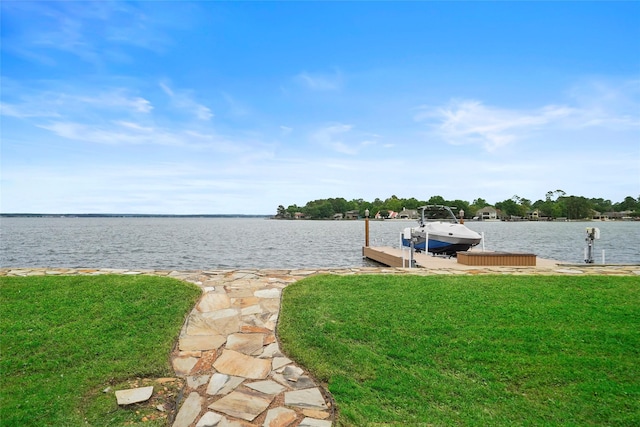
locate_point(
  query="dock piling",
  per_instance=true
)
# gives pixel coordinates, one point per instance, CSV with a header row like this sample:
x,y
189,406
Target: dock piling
x,y
366,228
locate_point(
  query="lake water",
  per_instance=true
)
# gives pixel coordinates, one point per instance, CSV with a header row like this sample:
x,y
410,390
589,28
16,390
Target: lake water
x,y
208,243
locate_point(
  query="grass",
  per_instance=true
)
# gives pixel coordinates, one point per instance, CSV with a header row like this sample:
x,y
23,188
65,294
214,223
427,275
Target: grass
x,y
65,339
482,350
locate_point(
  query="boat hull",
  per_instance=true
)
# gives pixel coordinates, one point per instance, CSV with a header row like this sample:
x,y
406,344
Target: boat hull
x,y
443,238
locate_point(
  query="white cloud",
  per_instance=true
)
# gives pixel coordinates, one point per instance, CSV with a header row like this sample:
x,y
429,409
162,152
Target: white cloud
x,y
134,126
285,130
117,116
236,108
202,112
120,132
472,122
320,82
114,99
607,103
333,137
594,105
344,139
91,31
166,89
22,111
61,103
183,100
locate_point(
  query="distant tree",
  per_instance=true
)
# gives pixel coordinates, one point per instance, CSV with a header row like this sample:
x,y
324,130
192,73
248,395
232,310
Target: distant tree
x,y
549,196
393,203
628,204
412,203
436,200
355,204
292,209
509,207
318,209
281,212
556,204
461,204
601,205
479,203
544,207
576,207
338,205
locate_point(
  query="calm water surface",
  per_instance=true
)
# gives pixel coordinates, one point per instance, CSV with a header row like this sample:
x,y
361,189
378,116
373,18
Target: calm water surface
x,y
205,243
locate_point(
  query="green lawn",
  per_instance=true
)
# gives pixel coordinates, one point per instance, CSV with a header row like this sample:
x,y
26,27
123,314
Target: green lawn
x,y
65,339
462,350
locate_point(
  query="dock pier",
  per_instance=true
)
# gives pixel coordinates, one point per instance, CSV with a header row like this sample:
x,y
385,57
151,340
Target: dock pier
x,y
470,260
467,260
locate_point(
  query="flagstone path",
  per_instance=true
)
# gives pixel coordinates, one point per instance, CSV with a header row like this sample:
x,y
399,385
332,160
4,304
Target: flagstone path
x,y
228,351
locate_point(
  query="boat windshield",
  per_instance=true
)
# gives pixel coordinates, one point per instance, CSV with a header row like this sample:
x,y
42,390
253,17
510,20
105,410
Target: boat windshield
x,y
431,213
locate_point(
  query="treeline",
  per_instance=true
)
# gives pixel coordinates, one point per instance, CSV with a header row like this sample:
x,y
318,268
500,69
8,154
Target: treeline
x,y
556,204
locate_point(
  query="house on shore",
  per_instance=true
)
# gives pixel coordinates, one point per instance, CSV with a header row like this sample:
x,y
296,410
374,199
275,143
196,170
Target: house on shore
x,y
621,216
354,214
488,213
391,215
408,214
533,215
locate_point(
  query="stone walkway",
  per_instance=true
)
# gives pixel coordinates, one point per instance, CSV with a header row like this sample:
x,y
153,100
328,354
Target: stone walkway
x,y
236,374
229,353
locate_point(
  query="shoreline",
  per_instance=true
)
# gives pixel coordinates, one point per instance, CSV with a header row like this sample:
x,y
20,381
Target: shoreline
x,y
555,269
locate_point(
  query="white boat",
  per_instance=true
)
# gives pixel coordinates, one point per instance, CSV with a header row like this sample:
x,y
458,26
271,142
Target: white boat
x,y
439,227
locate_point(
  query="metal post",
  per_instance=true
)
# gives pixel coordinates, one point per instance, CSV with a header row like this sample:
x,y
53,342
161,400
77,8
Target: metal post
x,y
603,256
591,236
426,242
366,228
411,256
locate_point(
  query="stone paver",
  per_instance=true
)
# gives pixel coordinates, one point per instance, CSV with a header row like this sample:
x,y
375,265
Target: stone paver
x,y
210,419
311,422
280,417
133,395
236,374
246,405
267,387
189,410
237,364
197,380
308,398
184,365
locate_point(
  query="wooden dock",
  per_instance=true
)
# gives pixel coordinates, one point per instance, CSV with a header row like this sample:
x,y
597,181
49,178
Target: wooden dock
x,y
393,257
505,259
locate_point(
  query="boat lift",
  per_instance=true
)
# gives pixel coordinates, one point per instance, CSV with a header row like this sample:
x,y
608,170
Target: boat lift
x,y
593,233
412,249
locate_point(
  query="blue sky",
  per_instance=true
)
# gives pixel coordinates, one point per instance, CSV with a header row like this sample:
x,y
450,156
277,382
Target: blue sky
x,y
238,107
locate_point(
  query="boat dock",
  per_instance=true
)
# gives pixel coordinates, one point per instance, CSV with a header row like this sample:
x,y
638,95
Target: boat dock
x,y
471,260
